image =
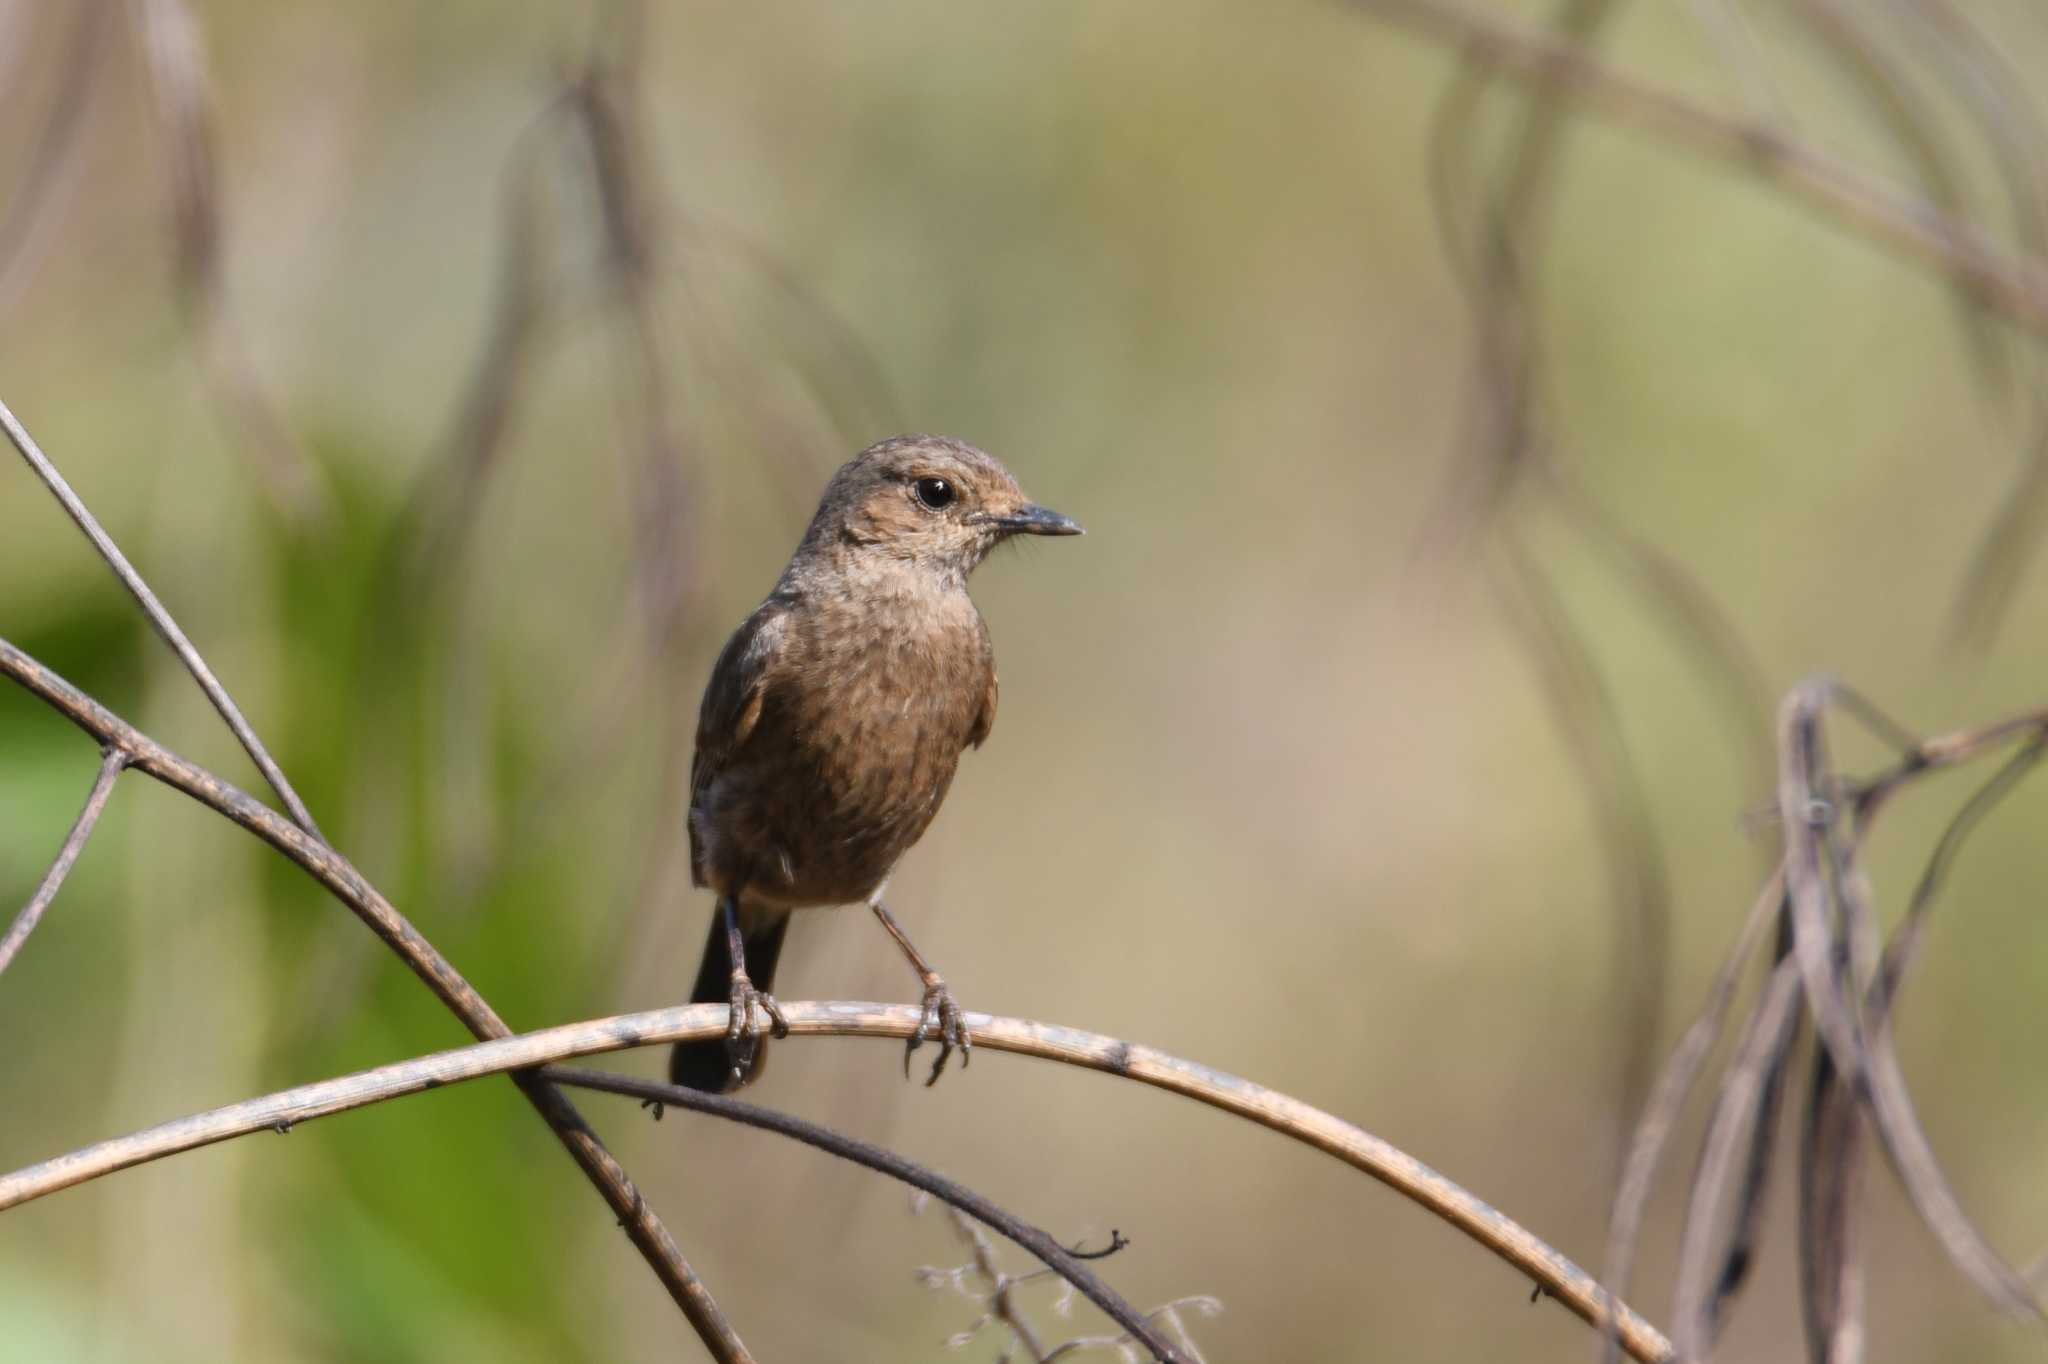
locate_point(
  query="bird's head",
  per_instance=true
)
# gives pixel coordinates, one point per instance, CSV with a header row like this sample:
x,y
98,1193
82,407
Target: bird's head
x,y
931,501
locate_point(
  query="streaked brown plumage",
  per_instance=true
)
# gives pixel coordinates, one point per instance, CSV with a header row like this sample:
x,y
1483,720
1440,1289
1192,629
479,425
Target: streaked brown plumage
x,y
836,715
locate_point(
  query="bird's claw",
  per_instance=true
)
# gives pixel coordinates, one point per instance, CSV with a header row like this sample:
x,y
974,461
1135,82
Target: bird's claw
x,y
941,1019
743,1032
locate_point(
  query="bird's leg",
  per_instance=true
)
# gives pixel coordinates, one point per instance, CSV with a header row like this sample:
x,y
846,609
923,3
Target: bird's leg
x,y
742,1035
942,1017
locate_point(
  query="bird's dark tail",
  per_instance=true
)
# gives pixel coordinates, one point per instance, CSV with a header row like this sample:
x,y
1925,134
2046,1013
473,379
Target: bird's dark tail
x,y
705,1065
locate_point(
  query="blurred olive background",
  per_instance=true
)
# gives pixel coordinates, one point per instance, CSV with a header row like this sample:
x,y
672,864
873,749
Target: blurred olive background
x,y
1275,785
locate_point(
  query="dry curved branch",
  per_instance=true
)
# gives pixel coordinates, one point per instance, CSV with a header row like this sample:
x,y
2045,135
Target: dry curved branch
x,y
1552,1272
345,883
2013,285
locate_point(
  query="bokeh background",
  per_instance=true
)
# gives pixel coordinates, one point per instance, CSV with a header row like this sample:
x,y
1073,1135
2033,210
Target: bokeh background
x,y
1278,784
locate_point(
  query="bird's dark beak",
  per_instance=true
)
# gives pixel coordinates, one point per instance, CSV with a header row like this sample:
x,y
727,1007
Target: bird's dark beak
x,y
1032,519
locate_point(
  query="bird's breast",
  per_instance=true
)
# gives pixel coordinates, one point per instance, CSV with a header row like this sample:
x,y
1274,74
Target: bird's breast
x,y
883,708
859,735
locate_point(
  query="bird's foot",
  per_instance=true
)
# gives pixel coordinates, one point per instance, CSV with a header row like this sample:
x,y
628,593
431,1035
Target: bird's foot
x,y
941,1019
743,1033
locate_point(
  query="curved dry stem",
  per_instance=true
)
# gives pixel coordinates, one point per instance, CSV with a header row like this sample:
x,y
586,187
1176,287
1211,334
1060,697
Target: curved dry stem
x,y
1906,938
1667,1097
1826,944
2013,285
1553,1273
345,883
74,843
1056,1256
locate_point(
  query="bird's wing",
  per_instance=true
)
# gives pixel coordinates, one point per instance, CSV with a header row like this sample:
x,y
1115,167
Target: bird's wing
x,y
732,703
985,715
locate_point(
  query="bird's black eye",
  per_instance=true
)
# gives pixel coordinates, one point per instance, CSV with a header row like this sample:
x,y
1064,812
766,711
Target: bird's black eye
x,y
936,493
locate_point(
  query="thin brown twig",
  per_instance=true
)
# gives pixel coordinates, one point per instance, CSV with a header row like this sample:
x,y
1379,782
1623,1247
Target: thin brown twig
x,y
1668,1095
1034,1239
67,855
1557,1276
998,1297
2013,285
1002,1296
160,618
346,884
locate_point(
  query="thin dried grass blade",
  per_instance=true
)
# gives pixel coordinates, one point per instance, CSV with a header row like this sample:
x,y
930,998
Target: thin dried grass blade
x,y
1737,1110
1738,1255
1831,1165
1913,1159
1667,1098
1807,807
1905,941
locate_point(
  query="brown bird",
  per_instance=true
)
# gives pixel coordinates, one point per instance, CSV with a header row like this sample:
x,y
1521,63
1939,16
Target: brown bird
x,y
834,719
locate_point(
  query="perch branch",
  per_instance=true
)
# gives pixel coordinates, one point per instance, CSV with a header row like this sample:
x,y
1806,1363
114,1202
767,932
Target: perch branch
x,y
74,843
1552,1272
346,884
2015,286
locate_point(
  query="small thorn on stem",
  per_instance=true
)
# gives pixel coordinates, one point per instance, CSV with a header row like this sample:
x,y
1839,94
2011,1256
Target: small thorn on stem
x,y
1117,1241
